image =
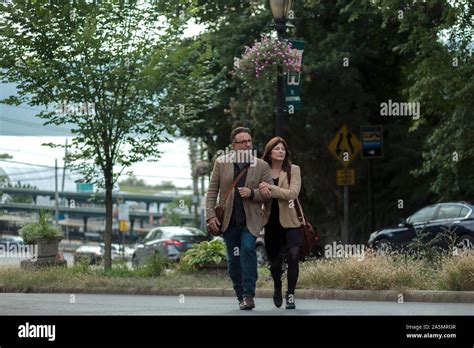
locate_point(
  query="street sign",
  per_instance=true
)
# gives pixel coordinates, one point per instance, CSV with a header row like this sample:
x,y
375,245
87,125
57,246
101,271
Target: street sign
x,y
84,187
345,177
345,145
293,80
372,141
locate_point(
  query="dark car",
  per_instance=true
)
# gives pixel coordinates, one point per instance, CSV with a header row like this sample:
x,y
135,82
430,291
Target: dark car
x,y
168,241
455,221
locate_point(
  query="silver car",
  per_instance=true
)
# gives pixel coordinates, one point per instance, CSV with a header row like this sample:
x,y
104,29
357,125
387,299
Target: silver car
x,y
168,241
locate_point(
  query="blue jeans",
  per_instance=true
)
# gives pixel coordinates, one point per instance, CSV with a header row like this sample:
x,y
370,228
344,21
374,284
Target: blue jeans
x,y
241,260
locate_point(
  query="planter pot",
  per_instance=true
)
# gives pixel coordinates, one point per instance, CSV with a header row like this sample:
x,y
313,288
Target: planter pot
x,y
47,248
213,266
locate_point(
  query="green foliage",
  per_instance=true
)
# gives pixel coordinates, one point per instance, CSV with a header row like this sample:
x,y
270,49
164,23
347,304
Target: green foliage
x,y
89,64
19,198
40,229
154,266
425,246
211,253
171,212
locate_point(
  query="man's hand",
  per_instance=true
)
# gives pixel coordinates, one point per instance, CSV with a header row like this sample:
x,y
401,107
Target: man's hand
x,y
245,192
214,224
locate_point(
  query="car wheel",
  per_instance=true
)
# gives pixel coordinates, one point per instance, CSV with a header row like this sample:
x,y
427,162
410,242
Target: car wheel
x,y
261,255
465,242
134,261
383,246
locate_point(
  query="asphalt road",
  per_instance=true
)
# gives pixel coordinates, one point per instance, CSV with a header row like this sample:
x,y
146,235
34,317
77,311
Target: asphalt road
x,y
88,304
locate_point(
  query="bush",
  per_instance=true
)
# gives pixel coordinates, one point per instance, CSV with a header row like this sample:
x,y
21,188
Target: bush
x,y
457,273
40,229
372,273
211,253
154,266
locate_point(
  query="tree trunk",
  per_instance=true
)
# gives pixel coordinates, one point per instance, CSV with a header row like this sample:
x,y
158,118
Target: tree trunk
x,y
108,217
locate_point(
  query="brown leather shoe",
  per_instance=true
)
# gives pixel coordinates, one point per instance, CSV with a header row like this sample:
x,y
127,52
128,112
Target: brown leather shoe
x,y
247,304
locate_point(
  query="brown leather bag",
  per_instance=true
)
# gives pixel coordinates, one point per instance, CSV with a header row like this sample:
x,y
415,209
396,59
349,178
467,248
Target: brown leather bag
x,y
220,209
310,236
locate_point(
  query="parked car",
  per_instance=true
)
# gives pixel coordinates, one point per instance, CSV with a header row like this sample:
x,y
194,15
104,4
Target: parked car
x,y
457,219
168,241
93,254
12,242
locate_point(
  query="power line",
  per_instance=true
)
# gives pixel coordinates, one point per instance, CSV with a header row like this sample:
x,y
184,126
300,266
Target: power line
x,y
29,164
31,172
15,133
33,124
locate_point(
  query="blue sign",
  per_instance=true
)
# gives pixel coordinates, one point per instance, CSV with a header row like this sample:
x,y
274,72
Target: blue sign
x,y
372,141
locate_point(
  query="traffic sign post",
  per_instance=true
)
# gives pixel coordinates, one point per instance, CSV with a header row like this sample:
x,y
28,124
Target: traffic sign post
x,y
345,146
345,177
372,141
372,148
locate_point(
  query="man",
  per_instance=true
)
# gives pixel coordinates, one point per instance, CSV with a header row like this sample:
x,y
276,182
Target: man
x,y
243,215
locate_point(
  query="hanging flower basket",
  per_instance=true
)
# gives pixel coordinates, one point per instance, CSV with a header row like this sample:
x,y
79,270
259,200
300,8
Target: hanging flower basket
x,y
261,61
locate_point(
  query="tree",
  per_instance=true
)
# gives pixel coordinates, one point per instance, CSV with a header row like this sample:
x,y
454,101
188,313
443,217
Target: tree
x,y
384,42
90,64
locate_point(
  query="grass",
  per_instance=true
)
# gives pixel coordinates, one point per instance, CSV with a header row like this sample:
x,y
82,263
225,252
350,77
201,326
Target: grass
x,y
392,272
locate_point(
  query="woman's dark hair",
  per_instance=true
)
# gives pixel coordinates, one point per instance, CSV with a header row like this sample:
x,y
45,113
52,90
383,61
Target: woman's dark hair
x,y
268,152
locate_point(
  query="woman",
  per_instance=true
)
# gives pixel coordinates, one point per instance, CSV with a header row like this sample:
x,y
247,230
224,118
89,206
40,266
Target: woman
x,y
283,236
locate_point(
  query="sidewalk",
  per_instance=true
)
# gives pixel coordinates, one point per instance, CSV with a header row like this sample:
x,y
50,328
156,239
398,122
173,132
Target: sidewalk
x,y
342,295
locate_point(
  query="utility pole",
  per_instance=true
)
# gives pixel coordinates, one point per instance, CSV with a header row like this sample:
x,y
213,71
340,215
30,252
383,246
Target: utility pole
x,y
62,186
64,168
193,159
56,195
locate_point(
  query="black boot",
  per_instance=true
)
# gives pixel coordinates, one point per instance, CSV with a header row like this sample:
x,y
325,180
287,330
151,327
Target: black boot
x,y
277,297
290,301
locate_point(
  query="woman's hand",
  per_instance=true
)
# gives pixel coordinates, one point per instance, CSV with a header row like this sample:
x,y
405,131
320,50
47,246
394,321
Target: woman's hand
x,y
265,190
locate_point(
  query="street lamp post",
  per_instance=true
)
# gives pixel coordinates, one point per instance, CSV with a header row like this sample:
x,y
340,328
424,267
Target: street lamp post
x,y
280,10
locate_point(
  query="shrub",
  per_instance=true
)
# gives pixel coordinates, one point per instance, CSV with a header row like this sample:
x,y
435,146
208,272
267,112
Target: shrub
x,y
154,266
204,254
457,273
40,229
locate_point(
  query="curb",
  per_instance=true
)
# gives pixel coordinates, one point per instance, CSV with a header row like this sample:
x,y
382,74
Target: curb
x,y
431,296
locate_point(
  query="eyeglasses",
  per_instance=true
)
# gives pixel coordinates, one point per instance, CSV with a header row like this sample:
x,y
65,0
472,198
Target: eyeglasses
x,y
243,142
